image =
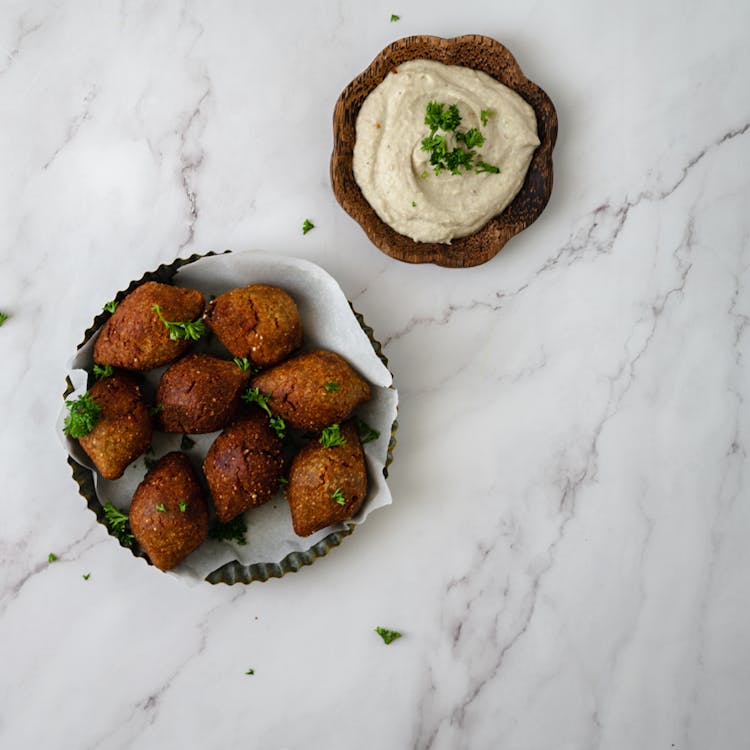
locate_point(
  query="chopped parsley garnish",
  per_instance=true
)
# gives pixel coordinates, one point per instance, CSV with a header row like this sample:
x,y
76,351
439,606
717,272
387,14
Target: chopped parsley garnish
x,y
485,114
3,317
307,225
233,531
395,18
254,396
471,138
243,363
161,508
331,436
250,671
283,481
438,117
331,386
182,505
103,371
51,557
83,415
154,410
388,636
366,433
182,329
86,576
339,497
186,443
118,525
111,306
482,166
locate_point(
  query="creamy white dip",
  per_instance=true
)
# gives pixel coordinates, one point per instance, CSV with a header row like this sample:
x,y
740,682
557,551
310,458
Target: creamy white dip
x,y
394,171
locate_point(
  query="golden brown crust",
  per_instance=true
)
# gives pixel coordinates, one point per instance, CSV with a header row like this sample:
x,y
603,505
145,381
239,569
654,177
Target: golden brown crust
x,y
134,337
168,536
318,475
313,390
124,429
258,321
243,466
199,393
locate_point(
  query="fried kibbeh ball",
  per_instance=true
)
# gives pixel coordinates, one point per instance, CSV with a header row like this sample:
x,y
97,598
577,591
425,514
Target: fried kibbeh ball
x,y
258,321
124,428
168,514
312,390
199,393
243,466
327,485
134,337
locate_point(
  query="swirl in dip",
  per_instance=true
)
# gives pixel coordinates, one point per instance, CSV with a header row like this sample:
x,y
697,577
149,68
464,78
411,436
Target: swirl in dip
x,y
393,169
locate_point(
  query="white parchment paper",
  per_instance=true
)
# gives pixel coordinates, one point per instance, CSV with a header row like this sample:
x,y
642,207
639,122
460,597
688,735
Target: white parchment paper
x,y
328,323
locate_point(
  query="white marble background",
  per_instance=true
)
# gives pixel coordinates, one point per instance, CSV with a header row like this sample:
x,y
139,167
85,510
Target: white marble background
x,y
567,554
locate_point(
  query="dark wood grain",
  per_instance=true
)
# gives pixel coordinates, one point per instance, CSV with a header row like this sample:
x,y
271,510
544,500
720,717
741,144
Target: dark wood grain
x,y
471,51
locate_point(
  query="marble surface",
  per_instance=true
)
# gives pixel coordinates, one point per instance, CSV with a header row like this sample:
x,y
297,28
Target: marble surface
x,y
566,554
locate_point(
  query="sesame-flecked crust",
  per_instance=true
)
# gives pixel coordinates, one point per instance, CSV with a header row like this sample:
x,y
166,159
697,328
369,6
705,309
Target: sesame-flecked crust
x,y
199,393
258,321
134,337
317,473
298,389
243,466
169,536
124,429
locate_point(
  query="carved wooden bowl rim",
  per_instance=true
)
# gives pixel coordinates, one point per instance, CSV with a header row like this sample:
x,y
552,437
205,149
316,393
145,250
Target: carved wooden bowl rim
x,y
473,51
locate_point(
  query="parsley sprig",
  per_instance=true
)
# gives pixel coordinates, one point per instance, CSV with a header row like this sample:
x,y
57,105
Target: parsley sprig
x,y
118,524
182,329
331,436
338,496
103,371
438,117
254,396
83,414
233,531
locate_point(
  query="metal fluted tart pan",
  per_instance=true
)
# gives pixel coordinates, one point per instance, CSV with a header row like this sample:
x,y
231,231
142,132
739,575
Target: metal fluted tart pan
x,y
470,51
234,571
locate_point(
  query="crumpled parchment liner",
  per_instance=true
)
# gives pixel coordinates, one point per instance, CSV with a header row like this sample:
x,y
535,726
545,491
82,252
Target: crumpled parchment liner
x,y
328,323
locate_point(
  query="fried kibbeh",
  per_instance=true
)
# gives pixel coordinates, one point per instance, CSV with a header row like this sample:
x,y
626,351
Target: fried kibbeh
x,y
136,338
327,485
199,393
243,466
258,321
312,390
168,514
124,428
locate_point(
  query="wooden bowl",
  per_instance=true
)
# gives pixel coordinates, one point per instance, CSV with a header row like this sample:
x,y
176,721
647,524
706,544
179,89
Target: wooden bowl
x,y
471,51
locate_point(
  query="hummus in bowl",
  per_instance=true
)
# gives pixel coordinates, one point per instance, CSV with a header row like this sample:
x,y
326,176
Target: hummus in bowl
x,y
442,150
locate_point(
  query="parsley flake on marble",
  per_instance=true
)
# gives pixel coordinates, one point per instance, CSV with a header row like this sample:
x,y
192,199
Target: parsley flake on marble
x,y
307,225
3,317
52,557
395,18
387,635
